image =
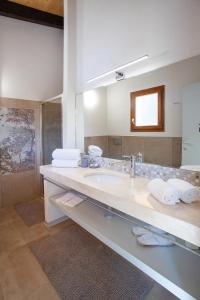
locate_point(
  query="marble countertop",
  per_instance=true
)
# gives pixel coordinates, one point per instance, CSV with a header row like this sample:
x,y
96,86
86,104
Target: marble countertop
x,y
131,196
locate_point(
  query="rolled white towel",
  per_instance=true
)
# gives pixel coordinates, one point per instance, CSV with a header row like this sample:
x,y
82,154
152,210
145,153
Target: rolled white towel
x,y
188,192
95,150
164,192
151,239
58,163
66,154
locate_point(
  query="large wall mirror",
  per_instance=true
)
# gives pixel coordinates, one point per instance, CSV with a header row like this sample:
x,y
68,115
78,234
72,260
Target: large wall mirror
x,y
156,114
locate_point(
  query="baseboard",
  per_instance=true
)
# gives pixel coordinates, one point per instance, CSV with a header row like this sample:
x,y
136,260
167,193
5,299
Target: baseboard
x,y
55,222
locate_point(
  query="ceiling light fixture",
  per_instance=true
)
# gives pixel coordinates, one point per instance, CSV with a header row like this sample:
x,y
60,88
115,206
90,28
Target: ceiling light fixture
x,y
119,76
119,68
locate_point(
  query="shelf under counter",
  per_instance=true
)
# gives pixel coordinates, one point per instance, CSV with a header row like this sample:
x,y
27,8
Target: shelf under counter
x,y
175,268
133,199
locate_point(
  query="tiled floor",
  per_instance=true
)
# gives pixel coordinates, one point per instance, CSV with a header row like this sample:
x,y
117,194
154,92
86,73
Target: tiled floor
x,y
21,277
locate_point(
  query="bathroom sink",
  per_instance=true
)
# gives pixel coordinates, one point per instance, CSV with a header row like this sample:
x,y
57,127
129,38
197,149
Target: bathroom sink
x,y
104,178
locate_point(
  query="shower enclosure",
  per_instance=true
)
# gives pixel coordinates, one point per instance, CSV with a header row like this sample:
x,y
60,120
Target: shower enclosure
x,y
51,129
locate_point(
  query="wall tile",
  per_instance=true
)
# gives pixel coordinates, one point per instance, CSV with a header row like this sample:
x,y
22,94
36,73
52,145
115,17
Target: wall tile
x,y
23,185
157,150
133,145
19,187
115,146
176,151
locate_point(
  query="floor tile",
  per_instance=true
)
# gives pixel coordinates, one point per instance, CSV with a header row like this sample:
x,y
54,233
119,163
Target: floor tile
x,y
31,233
1,293
10,288
23,275
10,238
55,229
7,215
45,292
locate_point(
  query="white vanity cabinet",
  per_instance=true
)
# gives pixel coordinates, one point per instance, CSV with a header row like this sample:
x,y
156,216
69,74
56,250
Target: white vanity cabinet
x,y
176,268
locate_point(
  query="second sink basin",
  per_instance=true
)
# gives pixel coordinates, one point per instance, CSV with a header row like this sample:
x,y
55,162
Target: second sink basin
x,y
104,178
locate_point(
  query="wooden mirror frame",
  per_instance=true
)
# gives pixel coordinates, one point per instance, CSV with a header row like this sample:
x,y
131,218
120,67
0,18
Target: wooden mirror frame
x,y
160,90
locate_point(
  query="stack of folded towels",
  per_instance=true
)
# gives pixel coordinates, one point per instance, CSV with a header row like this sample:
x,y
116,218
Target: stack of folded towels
x,y
152,236
70,199
173,191
66,158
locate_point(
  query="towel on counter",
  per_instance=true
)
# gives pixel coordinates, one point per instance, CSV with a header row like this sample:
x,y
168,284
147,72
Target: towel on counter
x,y
66,154
151,239
70,199
58,163
164,192
188,192
95,151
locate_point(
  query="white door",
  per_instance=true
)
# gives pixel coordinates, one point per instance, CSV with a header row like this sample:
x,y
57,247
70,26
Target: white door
x,y
191,125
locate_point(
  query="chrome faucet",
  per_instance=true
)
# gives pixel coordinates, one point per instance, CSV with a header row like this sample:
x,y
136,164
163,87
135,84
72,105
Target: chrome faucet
x,y
133,159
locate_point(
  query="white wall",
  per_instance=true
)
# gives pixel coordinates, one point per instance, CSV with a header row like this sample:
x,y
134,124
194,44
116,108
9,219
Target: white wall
x,y
69,78
111,33
174,77
95,112
31,60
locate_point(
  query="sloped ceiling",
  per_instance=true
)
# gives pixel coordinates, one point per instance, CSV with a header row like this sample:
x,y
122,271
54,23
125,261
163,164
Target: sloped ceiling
x,y
50,6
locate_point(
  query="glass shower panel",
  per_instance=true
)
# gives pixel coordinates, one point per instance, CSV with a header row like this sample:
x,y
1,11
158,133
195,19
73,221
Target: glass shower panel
x,y
51,129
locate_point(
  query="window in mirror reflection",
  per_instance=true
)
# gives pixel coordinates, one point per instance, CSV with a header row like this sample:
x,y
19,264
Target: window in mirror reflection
x,y
147,109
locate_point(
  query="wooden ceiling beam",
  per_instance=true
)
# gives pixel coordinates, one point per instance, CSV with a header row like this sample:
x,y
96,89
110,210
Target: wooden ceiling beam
x,y
24,13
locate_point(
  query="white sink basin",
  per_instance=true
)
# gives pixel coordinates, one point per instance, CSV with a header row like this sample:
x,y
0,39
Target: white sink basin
x,y
104,178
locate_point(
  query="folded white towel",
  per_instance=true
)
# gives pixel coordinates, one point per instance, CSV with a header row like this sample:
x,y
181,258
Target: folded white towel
x,y
188,192
95,151
164,192
64,198
74,201
70,199
138,231
66,154
151,239
58,163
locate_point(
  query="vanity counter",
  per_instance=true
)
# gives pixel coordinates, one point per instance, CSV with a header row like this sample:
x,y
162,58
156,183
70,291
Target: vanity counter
x,y
131,196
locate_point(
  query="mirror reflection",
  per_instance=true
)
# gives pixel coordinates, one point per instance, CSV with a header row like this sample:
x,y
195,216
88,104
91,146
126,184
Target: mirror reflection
x,y
133,116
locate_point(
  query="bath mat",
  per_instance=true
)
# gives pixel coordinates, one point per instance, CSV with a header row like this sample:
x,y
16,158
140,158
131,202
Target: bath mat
x,y
31,212
81,267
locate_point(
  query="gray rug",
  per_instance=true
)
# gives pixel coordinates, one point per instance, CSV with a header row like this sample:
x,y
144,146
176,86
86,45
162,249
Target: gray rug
x,y
80,267
31,212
